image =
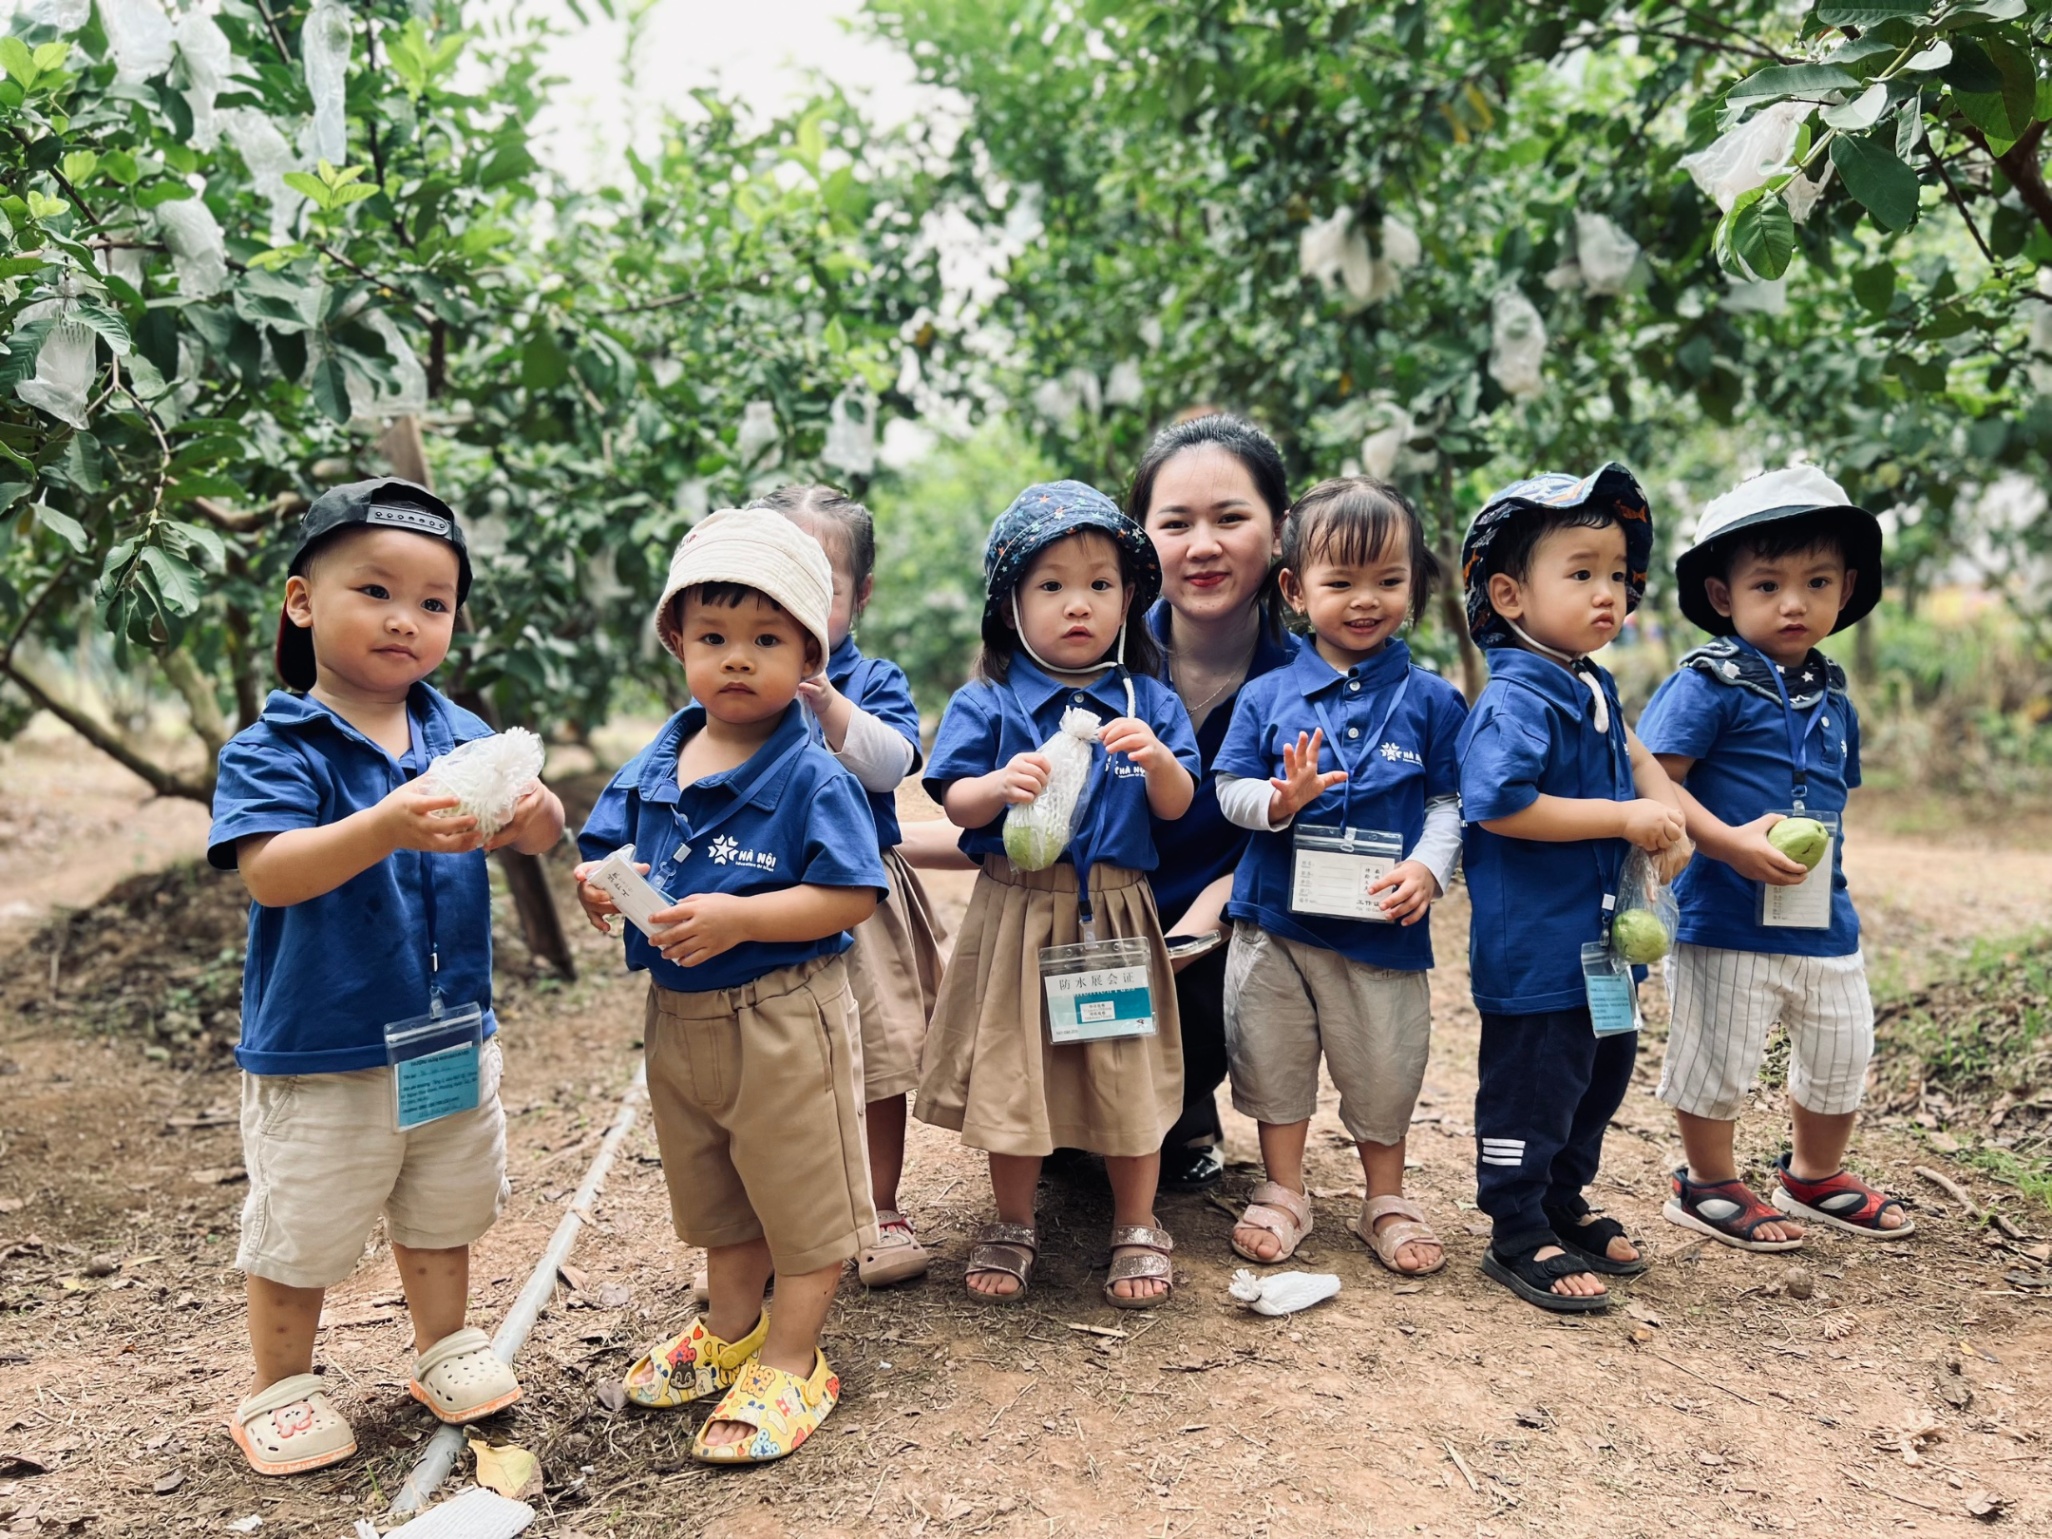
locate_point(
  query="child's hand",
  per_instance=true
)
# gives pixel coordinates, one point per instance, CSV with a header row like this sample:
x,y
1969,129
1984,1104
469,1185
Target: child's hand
x,y
408,818
1653,826
1671,862
1300,783
699,928
817,692
1412,888
1025,777
1132,737
530,809
598,903
1753,858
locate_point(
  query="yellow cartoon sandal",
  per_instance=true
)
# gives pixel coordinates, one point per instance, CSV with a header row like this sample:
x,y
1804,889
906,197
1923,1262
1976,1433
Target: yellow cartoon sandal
x,y
783,1409
691,1365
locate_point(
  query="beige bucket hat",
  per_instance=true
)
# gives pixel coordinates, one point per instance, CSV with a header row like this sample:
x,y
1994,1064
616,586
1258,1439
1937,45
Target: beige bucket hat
x,y
760,550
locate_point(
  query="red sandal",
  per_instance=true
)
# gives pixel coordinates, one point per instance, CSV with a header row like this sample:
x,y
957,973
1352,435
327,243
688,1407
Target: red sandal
x,y
1727,1211
1843,1201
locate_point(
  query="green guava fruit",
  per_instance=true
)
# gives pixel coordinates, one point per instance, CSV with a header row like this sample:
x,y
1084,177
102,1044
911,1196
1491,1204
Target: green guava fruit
x,y
1639,937
1803,840
1030,845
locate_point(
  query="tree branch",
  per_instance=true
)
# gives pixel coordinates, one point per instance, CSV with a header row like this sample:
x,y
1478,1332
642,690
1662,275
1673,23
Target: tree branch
x,y
115,746
201,703
1958,202
277,37
235,521
28,616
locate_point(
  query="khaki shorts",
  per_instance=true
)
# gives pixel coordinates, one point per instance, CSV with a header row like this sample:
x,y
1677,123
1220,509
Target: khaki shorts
x,y
1285,1003
324,1160
756,1096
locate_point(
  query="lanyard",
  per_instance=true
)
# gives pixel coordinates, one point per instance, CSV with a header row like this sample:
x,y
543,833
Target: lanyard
x,y
1084,841
1799,731
1368,744
695,834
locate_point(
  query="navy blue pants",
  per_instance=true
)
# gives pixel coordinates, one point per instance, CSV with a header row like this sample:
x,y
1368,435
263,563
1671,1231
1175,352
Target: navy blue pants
x,y
1549,1088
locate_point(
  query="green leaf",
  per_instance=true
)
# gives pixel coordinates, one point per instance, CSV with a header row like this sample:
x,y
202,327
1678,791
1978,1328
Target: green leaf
x,y
331,389
1872,13
312,188
1763,236
1878,180
63,525
51,56
19,63
43,206
1793,80
79,165
1874,287
198,544
121,165
177,580
170,190
106,322
2019,83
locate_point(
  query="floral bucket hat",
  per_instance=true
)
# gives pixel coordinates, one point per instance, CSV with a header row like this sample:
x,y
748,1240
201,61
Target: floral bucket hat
x,y
1049,511
1612,484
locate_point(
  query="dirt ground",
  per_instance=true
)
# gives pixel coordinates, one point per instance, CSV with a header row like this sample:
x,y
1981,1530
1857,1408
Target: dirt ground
x,y
1911,1392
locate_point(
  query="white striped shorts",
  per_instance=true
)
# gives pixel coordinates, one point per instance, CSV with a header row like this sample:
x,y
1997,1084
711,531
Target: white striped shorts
x,y
1725,1001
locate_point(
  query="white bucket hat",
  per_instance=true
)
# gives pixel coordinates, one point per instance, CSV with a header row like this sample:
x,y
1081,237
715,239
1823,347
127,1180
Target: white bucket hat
x,y
1801,491
760,550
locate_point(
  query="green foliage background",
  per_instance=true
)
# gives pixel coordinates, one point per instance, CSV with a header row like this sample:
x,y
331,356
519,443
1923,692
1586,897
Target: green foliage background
x,y
1327,214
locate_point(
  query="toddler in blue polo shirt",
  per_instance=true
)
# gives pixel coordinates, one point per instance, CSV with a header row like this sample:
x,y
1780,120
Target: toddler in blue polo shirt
x,y
1329,951
767,853
371,911
862,710
1067,578
1757,728
1555,790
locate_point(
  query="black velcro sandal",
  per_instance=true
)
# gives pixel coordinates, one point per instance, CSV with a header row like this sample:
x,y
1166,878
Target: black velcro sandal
x,y
1586,1236
1532,1279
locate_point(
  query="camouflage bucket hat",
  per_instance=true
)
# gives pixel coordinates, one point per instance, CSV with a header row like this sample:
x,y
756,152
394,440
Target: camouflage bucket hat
x,y
1612,484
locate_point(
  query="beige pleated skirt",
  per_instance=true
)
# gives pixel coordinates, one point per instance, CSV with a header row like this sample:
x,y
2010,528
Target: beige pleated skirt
x,y
990,1072
894,968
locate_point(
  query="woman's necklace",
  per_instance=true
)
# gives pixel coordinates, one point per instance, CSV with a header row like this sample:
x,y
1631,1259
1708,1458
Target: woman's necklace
x,y
1234,677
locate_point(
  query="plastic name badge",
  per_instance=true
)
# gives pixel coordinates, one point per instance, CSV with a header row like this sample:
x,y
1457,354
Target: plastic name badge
x,y
1332,868
1613,1002
1807,904
632,893
434,1062
1097,989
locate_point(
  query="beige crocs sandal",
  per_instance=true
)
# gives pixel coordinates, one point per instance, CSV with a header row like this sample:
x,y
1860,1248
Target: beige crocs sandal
x,y
290,1428
1281,1212
1154,1262
897,1256
461,1379
1409,1229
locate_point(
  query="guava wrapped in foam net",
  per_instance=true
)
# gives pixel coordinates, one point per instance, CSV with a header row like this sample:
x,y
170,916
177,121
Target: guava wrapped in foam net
x,y
1037,832
486,776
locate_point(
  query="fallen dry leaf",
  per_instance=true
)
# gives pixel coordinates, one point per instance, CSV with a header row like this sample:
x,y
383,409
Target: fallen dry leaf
x,y
510,1471
614,1296
168,1482
220,1175
611,1395
12,1204
1985,1504
574,1276
14,1466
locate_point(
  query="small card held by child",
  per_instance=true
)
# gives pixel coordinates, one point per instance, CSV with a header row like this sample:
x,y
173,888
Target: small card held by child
x,y
632,893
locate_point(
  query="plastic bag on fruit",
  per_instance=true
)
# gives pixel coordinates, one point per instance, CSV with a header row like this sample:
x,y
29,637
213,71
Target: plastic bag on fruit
x,y
198,254
1643,926
139,36
1751,155
1517,345
324,44
64,373
1037,832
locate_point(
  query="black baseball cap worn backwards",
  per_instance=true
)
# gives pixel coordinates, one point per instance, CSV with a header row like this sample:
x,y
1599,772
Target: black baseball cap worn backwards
x,y
383,502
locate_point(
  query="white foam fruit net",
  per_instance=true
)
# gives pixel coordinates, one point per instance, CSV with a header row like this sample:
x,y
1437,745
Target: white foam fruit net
x,y
1037,832
487,776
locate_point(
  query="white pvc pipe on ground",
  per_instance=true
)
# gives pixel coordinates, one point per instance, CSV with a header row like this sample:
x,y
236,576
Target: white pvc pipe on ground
x,y
440,1454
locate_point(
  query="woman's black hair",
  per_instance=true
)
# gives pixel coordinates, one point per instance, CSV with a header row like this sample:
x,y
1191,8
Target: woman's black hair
x,y
819,505
1142,654
1257,455
1353,521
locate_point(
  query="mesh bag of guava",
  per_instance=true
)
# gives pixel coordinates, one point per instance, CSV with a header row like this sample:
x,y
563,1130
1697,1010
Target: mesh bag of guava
x,y
1642,928
1037,832
486,776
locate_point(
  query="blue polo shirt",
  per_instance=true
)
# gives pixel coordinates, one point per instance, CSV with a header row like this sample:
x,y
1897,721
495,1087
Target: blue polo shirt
x,y
1201,846
789,816
1398,752
1743,768
322,979
879,686
987,724
1536,904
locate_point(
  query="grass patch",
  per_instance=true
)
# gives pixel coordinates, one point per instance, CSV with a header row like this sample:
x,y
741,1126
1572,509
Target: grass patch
x,y
1970,1054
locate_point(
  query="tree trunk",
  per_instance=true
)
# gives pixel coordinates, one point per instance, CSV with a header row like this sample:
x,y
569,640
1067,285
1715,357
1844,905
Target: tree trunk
x,y
1453,614
526,878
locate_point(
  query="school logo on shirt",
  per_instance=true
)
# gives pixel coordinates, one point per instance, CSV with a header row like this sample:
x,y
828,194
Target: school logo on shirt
x,y
1396,755
725,852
